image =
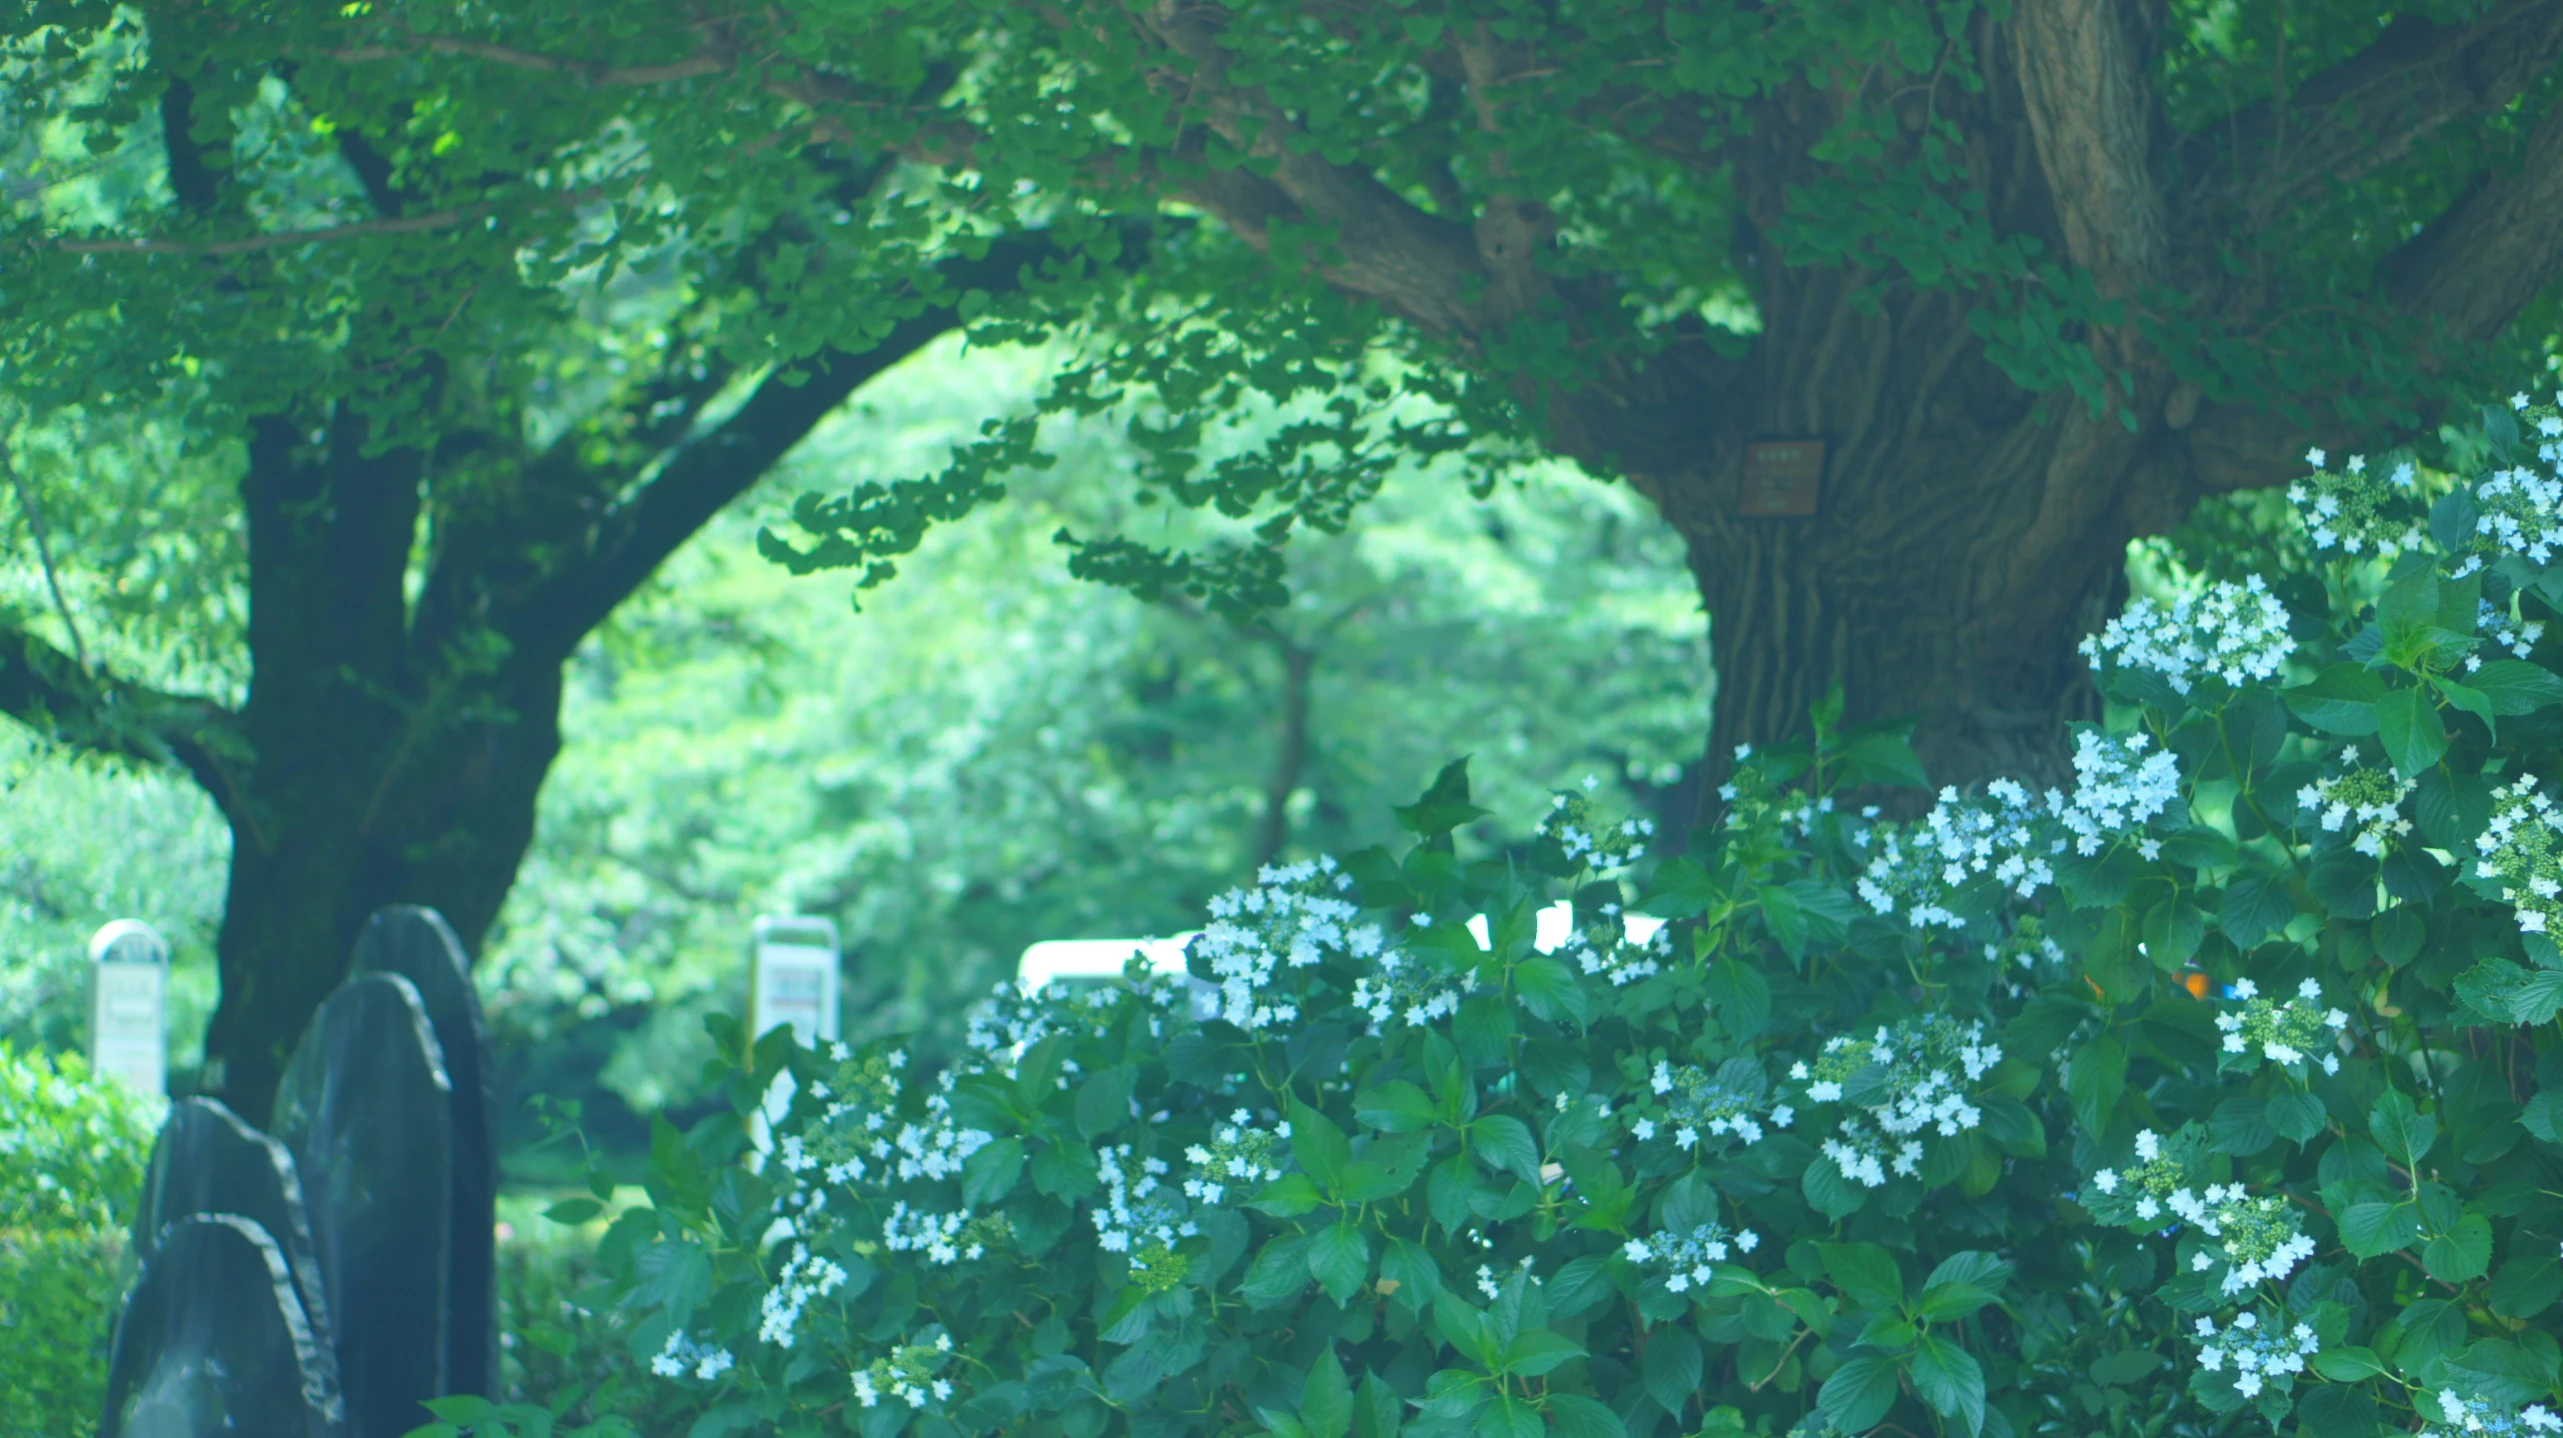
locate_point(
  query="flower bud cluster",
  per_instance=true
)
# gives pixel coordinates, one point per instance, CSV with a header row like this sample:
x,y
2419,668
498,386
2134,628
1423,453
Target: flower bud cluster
x,y
944,1238
1131,1215
2026,945
2254,1350
1699,1105
1684,1258
1295,917
683,1353
1238,1157
2230,631
2517,510
1616,958
2372,796
2117,787
911,1374
1408,991
2289,1033
2502,632
2259,1238
2478,1418
2348,510
2000,835
1585,838
2520,849
805,1276
1905,1081
2158,1179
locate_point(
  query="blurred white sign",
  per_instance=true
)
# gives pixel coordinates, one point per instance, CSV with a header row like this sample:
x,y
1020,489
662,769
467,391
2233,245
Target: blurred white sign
x,y
792,982
129,1005
1557,921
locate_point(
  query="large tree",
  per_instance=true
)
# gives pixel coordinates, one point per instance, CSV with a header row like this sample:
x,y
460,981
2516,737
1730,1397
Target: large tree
x,y
2038,276
334,435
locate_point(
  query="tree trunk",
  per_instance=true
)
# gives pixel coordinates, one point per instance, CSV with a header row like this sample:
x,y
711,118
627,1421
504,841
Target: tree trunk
x,y
1966,534
357,816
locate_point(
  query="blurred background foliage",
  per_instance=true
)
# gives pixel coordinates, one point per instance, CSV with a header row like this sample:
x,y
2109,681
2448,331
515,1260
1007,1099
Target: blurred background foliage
x,y
989,753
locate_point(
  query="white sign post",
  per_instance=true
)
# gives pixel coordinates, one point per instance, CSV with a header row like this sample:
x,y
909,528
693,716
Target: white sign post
x,y
792,980
129,1005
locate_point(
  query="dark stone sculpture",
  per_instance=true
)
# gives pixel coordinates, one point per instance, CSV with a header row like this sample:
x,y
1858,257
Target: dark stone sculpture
x,y
214,1341
366,1109
417,944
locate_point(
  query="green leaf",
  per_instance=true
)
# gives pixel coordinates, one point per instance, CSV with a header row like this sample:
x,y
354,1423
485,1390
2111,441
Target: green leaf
x,y
2340,700
1738,994
2347,1365
574,1211
1339,1259
2255,907
1859,1393
1672,1368
2514,686
1506,1145
2408,725
1326,1407
989,1174
1395,1107
2097,1081
1537,1351
1576,1416
1866,1273
1549,990
2461,1253
1445,805
2401,1129
1944,1301
1319,1146
1103,1100
2295,1115
2466,698
2376,1226
2526,1287
1950,1380
1289,1196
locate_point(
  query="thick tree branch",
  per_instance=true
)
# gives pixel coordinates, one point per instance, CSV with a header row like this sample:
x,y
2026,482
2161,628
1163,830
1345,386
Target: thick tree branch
x,y
2480,262
2365,113
705,475
2091,112
1416,264
51,693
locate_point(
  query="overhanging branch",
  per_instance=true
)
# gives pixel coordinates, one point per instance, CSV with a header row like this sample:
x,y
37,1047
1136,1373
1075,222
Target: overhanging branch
x,y
705,475
2091,112
51,693
2480,262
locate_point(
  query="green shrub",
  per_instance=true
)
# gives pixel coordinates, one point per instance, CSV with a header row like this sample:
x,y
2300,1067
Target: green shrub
x,y
72,1151
2216,1094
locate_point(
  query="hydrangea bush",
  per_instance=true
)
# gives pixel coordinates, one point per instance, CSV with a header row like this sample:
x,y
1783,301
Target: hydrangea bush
x,y
2215,1094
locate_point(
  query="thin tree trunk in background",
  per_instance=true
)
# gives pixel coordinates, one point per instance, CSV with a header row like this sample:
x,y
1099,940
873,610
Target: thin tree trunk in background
x,y
1290,759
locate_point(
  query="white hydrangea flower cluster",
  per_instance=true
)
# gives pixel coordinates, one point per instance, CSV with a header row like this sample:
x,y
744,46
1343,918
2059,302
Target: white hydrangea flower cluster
x,y
911,1374
2286,1033
2259,1239
2254,1350
1132,1215
805,1276
2478,1418
2026,945
2520,849
682,1354
2517,510
2156,1183
1617,959
1685,1259
2117,788
2348,510
2372,796
2002,834
849,1136
939,1146
1409,991
1922,1071
944,1238
1585,837
1238,1156
1700,1105
2230,631
1293,918
2502,631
